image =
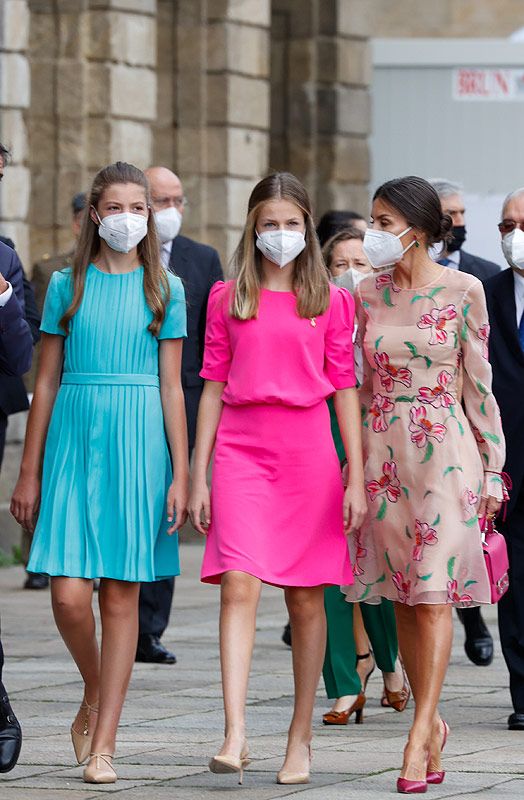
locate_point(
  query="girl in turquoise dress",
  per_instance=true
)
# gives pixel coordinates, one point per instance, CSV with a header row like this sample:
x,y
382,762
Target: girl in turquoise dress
x,y
105,433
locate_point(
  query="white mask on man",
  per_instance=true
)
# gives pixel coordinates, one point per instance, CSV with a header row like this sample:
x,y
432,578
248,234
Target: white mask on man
x,y
168,222
513,248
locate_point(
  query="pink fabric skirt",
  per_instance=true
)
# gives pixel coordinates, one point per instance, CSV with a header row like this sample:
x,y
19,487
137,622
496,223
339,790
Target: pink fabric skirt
x,y
276,498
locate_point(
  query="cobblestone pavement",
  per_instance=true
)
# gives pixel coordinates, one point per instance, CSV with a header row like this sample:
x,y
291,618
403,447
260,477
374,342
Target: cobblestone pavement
x,y
172,720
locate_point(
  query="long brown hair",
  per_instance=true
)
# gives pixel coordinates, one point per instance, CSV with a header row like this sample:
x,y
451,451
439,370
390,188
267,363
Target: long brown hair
x,y
310,279
156,285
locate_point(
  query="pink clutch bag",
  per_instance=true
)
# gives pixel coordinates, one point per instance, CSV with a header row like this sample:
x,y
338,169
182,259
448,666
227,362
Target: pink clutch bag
x,y
496,559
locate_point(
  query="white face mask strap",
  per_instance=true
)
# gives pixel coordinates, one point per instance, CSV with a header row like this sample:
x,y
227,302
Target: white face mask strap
x,y
97,215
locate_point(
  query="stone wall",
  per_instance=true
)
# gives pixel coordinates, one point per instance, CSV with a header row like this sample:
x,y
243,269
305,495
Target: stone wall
x,y
442,18
15,98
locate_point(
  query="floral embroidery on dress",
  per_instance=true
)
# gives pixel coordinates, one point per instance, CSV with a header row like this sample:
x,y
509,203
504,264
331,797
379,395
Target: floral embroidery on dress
x,y
380,406
424,535
389,375
385,282
454,596
388,484
436,321
403,586
439,396
360,553
422,429
469,506
483,335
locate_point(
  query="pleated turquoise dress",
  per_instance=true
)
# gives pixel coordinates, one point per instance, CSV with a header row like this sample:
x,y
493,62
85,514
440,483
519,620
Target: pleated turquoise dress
x,y
107,466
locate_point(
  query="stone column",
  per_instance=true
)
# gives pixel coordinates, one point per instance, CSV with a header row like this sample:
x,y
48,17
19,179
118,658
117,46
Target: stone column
x,y
238,92
320,73
15,94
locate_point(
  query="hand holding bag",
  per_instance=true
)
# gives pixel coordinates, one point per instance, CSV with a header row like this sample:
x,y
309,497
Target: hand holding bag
x,y
496,559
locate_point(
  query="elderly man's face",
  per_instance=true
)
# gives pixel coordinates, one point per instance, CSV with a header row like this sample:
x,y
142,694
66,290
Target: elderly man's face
x,y
513,215
454,206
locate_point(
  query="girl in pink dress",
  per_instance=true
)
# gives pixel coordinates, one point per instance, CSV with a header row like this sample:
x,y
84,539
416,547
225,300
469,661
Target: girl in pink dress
x,y
278,343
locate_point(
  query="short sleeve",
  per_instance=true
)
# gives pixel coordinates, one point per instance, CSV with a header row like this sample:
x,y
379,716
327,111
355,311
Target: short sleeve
x,y
57,301
217,350
174,325
339,362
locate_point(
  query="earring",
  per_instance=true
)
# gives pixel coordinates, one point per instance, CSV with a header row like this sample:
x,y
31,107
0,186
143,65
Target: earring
x,y
417,243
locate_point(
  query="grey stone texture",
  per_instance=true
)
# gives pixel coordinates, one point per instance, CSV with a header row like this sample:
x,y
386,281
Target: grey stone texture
x,y
172,721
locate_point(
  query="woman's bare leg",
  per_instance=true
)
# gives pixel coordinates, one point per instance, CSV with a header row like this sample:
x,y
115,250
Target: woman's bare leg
x,y
308,634
239,596
118,602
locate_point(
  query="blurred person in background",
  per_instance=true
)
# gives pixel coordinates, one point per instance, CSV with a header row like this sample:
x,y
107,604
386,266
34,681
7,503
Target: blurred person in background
x,y
198,266
478,643
16,350
505,297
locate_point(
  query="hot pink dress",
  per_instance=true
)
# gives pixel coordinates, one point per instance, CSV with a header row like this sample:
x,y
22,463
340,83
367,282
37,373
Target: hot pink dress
x,y
276,492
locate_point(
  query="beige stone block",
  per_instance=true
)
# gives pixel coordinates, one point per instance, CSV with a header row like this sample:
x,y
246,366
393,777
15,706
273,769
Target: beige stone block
x,y
73,32
14,30
340,195
254,12
131,142
132,92
130,38
165,98
302,17
42,141
42,86
237,100
302,61
237,151
13,131
16,187
190,149
98,98
164,147
351,159
72,91
98,142
42,35
241,48
41,243
41,202
15,81
354,62
357,17
353,110
70,182
71,140
239,190
216,201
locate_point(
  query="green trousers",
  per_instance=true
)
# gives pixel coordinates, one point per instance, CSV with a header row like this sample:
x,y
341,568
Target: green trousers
x,y
339,671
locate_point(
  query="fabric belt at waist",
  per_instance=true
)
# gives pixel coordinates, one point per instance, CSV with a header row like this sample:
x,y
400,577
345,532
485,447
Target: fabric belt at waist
x,y
109,379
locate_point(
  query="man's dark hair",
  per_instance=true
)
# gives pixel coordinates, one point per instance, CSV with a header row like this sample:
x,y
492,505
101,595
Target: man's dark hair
x,y
334,221
78,203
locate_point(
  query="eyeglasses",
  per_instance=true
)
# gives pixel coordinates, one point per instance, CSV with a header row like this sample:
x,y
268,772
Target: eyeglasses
x,y
508,225
165,202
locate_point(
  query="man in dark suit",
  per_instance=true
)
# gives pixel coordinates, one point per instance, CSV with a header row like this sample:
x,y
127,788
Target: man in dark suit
x,y
16,351
452,202
505,297
199,268
479,642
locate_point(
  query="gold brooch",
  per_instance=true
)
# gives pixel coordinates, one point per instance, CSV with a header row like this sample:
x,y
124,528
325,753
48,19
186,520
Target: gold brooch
x,y
313,321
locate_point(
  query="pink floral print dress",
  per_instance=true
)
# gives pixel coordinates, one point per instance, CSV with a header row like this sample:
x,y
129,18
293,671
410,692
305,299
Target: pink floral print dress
x,y
433,441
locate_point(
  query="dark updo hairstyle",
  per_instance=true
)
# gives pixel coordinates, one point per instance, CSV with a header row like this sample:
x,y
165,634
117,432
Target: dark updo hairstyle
x,y
418,202
334,221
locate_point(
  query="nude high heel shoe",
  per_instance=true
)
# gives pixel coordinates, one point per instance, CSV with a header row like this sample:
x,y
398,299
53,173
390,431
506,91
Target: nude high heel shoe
x,y
222,765
99,769
82,741
289,778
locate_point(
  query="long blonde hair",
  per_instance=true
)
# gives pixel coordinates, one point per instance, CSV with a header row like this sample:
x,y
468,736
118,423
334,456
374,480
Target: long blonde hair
x,y
310,279
156,285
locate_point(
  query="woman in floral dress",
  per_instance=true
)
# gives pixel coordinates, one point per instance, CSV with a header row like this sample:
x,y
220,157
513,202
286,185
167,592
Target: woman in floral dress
x,y
434,449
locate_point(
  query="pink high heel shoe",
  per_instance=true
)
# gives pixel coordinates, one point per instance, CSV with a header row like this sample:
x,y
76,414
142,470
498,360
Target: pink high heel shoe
x,y
407,786
437,776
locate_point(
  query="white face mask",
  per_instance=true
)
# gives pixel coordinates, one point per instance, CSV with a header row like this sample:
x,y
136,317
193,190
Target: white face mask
x,y
281,247
122,232
168,222
383,249
513,248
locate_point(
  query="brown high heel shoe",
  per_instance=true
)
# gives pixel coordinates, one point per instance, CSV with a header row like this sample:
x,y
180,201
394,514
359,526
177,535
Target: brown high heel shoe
x,y
342,717
399,700
368,675
222,765
82,741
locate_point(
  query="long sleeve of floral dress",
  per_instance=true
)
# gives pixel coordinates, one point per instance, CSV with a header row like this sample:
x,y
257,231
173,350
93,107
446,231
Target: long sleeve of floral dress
x,y
481,407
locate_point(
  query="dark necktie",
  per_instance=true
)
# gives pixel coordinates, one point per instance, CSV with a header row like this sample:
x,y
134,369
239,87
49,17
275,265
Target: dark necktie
x,y
521,331
444,261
